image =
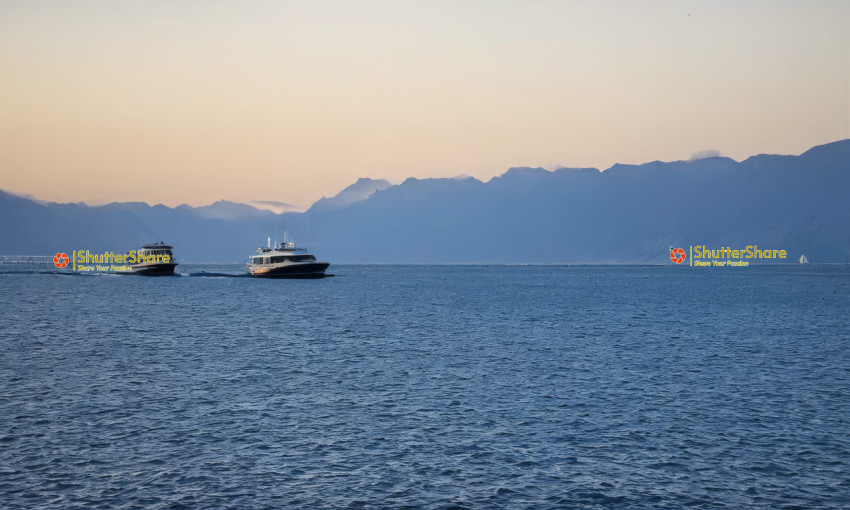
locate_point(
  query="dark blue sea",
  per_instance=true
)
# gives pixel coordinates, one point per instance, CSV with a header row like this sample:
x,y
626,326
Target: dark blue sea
x,y
428,387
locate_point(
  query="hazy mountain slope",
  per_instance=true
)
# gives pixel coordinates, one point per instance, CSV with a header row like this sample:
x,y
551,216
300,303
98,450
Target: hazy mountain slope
x,y
360,190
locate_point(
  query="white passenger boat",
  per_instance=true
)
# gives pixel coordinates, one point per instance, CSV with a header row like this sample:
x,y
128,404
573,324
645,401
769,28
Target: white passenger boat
x,y
285,261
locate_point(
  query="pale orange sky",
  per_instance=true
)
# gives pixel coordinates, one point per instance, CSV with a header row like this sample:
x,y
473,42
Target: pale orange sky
x,y
192,102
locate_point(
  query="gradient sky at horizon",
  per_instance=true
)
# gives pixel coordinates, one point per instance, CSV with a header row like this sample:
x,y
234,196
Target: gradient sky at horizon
x,y
196,101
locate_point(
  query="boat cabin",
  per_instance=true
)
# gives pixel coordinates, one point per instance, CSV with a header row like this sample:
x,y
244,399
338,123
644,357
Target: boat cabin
x,y
159,248
270,258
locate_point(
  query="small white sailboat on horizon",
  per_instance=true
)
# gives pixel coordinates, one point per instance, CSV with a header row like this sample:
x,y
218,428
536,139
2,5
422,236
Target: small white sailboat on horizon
x,y
803,259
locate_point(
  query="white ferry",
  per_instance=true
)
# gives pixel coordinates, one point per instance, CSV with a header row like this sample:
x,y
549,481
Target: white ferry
x,y
285,261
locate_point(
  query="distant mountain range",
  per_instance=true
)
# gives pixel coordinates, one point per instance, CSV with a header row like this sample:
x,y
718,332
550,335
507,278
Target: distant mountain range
x,y
626,214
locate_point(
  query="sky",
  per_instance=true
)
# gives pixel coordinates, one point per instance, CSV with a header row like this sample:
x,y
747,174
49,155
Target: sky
x,y
197,101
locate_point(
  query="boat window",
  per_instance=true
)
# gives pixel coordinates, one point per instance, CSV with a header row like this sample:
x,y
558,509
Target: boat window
x,y
301,258
258,260
277,259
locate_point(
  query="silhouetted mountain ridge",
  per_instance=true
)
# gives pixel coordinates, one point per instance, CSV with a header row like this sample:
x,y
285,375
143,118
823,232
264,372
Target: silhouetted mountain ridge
x,y
625,214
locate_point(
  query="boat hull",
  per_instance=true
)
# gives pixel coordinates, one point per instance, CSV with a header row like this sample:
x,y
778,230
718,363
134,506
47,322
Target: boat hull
x,y
161,269
305,270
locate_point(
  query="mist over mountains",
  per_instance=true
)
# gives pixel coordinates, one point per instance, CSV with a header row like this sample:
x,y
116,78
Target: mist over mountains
x,y
626,214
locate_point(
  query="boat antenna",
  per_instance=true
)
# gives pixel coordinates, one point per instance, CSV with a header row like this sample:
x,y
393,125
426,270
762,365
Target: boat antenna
x,y
284,235
268,242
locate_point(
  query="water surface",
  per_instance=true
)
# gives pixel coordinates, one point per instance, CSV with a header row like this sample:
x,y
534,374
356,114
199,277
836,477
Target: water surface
x,y
428,387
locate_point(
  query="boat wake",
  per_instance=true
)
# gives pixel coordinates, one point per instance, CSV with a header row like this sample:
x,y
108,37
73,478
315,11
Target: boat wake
x,y
202,274
64,273
207,274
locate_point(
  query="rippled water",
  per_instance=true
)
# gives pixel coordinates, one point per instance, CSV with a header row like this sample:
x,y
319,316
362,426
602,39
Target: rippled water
x,y
428,387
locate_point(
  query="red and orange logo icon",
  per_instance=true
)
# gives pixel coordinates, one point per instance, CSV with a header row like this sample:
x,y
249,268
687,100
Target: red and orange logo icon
x,y
60,260
677,255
